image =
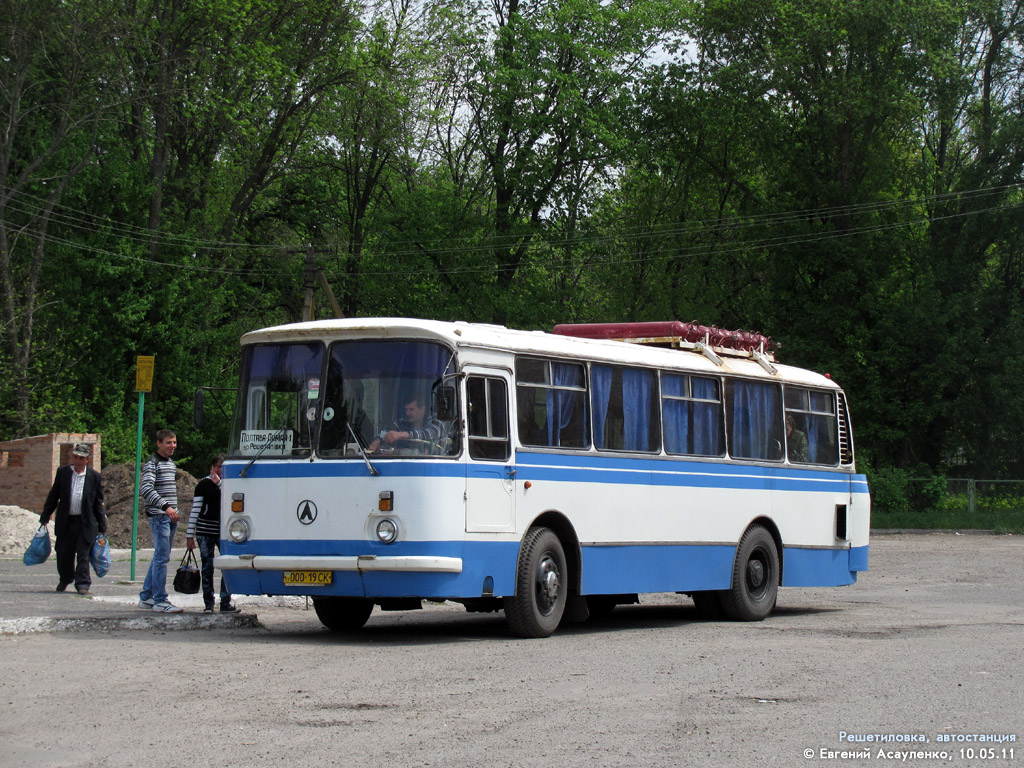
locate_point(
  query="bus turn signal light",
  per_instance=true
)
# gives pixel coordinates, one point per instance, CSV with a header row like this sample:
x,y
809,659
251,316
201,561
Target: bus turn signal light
x,y
386,501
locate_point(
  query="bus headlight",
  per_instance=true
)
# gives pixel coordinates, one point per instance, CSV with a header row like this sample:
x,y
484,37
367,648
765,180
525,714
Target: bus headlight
x,y
238,530
387,531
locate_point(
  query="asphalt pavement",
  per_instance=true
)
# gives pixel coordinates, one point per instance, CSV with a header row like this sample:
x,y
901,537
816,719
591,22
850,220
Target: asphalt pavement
x,y
29,602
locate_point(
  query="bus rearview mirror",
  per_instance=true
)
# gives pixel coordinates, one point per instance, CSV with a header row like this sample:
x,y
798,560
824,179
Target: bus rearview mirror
x,y
446,403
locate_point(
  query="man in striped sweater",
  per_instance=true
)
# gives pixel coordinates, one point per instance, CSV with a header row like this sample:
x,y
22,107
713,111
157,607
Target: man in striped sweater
x,y
204,525
160,493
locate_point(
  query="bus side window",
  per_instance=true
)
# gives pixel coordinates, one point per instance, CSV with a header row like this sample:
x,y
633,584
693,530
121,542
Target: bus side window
x,y
552,404
692,412
811,426
488,419
624,407
755,420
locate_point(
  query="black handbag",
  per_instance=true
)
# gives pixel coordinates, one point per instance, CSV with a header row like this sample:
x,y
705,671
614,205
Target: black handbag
x,y
188,580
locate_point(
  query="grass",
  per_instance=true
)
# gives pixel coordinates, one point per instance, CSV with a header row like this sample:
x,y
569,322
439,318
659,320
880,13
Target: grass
x,y
1002,515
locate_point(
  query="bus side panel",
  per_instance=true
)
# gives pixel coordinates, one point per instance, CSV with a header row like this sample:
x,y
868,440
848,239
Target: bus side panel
x,y
805,567
485,565
859,559
242,582
859,521
639,568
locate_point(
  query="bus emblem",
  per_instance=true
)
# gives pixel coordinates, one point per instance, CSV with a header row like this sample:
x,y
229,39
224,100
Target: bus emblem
x,y
306,512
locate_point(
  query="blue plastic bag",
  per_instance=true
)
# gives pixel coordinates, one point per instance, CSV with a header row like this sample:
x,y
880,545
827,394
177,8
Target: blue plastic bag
x,y
99,555
39,549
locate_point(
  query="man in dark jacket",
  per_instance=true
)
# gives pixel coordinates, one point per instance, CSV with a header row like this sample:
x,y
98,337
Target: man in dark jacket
x,y
77,497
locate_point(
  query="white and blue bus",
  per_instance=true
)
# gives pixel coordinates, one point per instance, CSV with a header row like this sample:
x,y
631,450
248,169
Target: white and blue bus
x,y
550,475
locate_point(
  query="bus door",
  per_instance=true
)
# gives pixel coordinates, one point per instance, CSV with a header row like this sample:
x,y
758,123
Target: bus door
x,y
490,474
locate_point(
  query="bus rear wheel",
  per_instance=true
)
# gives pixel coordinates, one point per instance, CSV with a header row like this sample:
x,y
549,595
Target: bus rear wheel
x,y
536,608
755,577
342,614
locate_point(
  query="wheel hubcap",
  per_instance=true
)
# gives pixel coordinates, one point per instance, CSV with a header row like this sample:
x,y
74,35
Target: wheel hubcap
x,y
548,584
755,573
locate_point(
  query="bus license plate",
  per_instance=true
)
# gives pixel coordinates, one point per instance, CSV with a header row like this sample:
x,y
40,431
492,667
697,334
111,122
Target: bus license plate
x,y
308,578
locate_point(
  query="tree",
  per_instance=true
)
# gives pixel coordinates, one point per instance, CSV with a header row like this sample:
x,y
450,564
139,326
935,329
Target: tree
x,y
54,102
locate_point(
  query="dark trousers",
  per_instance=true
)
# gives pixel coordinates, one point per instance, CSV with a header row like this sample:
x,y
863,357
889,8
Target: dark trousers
x,y
72,546
208,548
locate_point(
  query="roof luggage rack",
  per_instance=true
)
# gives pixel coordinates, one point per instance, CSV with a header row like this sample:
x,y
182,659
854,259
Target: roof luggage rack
x,y
710,341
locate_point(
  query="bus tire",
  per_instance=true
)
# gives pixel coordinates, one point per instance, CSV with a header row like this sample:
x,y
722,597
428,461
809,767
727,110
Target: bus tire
x,y
755,577
342,614
541,588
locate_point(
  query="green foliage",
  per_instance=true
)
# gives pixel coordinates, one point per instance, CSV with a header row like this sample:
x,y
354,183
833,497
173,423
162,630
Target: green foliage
x,y
845,177
889,492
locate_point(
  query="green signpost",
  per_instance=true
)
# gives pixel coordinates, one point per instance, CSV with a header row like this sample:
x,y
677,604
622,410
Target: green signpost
x,y
144,365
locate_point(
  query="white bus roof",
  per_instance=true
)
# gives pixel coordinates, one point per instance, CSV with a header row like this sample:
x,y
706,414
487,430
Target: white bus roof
x,y
463,335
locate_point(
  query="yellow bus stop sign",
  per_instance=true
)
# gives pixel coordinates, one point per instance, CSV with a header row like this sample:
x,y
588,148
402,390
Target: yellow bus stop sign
x,y
144,365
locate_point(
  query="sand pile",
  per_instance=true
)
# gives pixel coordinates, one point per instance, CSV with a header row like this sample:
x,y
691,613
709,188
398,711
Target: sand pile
x,y
17,527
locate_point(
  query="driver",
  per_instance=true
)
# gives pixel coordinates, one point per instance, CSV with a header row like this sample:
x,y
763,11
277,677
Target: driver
x,y
416,425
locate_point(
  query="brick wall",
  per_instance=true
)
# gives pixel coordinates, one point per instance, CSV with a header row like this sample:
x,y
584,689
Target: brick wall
x,y
27,465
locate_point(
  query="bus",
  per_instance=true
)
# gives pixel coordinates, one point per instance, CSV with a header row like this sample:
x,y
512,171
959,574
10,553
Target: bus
x,y
552,476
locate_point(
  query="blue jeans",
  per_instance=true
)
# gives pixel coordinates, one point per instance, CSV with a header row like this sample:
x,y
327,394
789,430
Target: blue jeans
x,y
155,586
208,548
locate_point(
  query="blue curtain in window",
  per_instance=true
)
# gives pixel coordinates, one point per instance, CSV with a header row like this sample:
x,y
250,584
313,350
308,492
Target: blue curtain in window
x,y
821,448
817,428
674,414
813,438
706,418
637,389
754,411
600,388
561,403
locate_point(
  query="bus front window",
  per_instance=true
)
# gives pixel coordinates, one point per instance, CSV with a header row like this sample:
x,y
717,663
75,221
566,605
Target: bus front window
x,y
384,395
278,400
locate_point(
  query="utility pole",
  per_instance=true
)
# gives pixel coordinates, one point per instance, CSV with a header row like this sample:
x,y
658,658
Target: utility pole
x,y
310,278
330,294
312,274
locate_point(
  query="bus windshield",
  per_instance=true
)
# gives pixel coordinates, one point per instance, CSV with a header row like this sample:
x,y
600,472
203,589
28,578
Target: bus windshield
x,y
279,391
384,394
378,397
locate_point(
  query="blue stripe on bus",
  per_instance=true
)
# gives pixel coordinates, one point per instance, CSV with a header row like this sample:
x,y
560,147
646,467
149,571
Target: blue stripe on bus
x,y
584,468
606,569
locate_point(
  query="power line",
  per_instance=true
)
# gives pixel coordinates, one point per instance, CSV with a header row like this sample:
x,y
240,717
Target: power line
x,y
730,225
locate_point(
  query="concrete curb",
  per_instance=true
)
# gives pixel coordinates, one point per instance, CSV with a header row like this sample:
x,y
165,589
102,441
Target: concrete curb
x,y
933,531
168,623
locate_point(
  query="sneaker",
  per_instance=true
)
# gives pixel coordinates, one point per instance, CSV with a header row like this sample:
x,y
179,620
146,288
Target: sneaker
x,y
165,606
207,610
147,604
229,608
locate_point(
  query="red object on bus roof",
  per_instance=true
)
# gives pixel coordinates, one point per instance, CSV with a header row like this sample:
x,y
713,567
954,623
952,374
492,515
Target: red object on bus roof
x,y
691,332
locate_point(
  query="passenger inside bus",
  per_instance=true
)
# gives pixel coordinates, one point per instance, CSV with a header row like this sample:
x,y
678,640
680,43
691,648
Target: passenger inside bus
x,y
418,432
796,441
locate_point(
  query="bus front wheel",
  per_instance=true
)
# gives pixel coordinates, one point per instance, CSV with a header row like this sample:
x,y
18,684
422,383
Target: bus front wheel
x,y
755,577
342,614
536,608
